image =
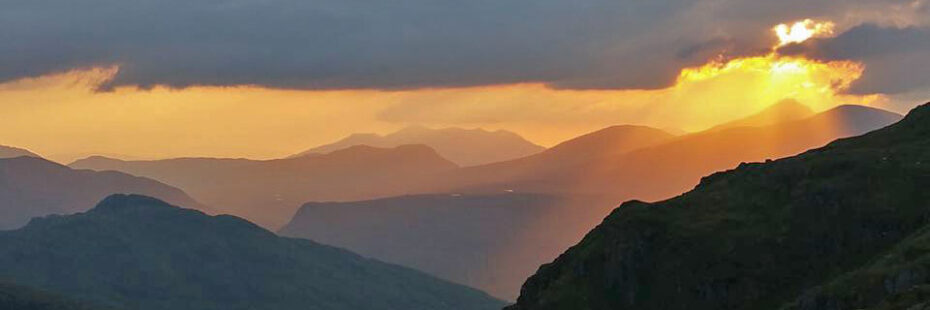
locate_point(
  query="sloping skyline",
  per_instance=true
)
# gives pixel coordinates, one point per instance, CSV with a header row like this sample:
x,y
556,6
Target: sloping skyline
x,y
266,79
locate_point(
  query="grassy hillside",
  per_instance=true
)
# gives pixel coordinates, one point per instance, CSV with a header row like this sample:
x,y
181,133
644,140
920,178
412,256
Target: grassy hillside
x,y
137,252
794,232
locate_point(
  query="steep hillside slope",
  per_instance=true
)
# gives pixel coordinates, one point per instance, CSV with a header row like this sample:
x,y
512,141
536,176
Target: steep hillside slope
x,y
17,297
762,236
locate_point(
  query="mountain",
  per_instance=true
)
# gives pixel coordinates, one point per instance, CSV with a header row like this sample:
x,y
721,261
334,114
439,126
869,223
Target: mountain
x,y
588,176
491,242
659,165
137,252
840,227
269,191
783,111
465,147
17,297
672,168
31,187
533,173
11,152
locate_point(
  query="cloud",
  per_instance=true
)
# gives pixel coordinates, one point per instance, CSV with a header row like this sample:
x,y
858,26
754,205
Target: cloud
x,y
897,60
400,44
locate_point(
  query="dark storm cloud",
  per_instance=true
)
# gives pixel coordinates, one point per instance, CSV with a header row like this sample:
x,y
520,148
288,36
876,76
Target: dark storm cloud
x,y
897,60
388,44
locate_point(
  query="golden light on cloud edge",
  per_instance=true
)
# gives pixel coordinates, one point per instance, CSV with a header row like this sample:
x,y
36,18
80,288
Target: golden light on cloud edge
x,y
62,113
802,30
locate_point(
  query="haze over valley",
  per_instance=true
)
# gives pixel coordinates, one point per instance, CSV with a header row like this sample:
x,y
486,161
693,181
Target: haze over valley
x,y
479,155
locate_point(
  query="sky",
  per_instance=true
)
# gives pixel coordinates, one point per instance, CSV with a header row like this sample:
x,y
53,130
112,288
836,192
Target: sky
x,y
270,78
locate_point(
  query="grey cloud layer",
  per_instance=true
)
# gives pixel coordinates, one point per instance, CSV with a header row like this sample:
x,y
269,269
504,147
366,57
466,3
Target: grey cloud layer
x,y
390,44
897,60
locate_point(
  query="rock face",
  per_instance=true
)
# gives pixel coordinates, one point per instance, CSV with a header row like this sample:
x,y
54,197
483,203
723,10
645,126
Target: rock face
x,y
840,227
465,147
31,186
137,252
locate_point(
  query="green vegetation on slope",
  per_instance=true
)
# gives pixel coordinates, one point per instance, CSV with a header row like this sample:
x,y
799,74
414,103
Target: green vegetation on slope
x,y
137,252
17,297
762,236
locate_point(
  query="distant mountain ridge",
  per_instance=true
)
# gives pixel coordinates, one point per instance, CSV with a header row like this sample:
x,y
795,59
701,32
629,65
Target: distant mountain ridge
x,y
11,152
590,175
844,226
31,187
269,191
492,242
659,165
465,147
783,111
137,252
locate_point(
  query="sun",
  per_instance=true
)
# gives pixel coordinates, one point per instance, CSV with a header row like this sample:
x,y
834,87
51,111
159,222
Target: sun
x,y
802,30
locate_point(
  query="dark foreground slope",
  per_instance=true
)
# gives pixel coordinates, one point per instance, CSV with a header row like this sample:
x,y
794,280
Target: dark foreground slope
x,y
814,231
31,187
137,252
17,297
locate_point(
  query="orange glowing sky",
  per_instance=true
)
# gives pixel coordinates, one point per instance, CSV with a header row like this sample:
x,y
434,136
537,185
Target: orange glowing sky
x,y
62,117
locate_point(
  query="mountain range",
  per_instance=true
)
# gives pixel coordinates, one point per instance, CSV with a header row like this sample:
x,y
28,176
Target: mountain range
x,y
844,226
589,175
465,147
658,165
11,152
137,252
31,187
269,191
784,111
582,180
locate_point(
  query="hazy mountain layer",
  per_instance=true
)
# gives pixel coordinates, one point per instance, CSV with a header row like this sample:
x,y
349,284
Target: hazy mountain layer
x,y
11,152
465,147
784,111
137,252
31,187
841,227
591,174
668,166
268,192
491,242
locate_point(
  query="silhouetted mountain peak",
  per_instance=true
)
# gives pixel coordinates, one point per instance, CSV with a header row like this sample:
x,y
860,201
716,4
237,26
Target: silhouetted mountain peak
x,y
9,152
464,147
126,202
788,107
859,109
784,111
612,140
406,149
